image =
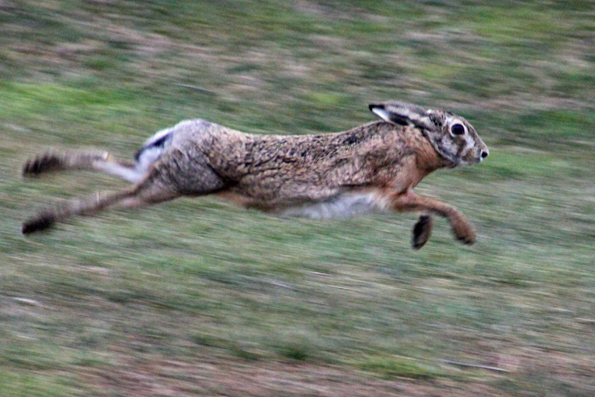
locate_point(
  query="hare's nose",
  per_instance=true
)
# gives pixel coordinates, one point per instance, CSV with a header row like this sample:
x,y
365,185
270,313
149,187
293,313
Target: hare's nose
x,y
484,154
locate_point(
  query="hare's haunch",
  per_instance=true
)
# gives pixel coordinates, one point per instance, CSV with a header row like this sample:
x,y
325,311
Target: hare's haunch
x,y
373,167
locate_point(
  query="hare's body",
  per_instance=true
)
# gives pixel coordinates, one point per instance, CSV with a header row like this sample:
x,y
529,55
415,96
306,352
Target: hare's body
x,y
370,168
274,173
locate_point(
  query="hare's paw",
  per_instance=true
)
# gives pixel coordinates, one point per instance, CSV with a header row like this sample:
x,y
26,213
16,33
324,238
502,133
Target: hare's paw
x,y
40,164
43,220
422,231
463,230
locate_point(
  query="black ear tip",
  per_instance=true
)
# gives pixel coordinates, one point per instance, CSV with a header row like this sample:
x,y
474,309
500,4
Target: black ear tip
x,y
373,106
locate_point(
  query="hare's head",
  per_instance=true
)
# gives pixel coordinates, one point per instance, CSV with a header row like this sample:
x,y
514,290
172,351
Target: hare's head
x,y
450,135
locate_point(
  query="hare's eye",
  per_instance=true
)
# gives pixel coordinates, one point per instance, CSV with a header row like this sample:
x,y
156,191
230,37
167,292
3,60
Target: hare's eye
x,y
457,129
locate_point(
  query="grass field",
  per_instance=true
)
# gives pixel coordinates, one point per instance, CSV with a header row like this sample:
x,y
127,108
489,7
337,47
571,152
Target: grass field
x,y
197,297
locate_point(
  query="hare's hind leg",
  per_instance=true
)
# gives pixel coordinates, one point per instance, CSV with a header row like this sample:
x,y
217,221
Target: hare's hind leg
x,y
147,192
165,180
49,161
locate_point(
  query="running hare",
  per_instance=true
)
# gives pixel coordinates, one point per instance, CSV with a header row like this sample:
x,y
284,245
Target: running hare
x,y
373,167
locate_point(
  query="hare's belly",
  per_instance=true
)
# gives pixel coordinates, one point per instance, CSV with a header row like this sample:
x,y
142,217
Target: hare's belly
x,y
344,205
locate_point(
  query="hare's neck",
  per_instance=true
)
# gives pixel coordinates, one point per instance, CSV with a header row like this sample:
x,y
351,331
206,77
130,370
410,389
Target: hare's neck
x,y
427,158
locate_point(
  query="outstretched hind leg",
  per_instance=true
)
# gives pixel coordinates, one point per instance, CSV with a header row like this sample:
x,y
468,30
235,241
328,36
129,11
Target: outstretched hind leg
x,y
51,162
145,193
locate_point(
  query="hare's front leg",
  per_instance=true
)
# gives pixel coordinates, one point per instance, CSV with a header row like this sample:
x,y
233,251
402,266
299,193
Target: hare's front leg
x,y
422,231
409,201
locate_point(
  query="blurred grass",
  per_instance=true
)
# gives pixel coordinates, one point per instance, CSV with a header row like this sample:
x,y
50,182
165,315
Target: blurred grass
x,y
198,281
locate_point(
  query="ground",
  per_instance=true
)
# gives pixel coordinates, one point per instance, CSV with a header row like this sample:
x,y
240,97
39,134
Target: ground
x,y
198,297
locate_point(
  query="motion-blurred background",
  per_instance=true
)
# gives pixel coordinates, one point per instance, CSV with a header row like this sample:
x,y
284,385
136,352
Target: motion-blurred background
x,y
197,297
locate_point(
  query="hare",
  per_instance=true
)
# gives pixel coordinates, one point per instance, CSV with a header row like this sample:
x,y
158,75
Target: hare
x,y
373,167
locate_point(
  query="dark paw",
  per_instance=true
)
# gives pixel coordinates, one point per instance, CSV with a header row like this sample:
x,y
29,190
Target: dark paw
x,y
422,231
40,222
40,164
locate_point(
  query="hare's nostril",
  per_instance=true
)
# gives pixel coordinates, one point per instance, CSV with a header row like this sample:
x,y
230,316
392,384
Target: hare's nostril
x,y
484,155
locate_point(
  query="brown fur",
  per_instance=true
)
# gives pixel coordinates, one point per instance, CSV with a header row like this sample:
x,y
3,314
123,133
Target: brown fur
x,y
376,165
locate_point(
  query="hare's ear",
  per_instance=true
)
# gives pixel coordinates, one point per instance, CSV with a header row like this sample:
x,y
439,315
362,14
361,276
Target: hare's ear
x,y
405,114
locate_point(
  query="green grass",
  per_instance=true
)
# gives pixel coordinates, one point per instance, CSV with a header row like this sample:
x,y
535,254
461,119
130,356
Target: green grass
x,y
198,289
398,367
16,384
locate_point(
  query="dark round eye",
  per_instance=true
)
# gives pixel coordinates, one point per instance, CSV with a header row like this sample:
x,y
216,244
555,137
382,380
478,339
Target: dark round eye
x,y
457,129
